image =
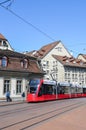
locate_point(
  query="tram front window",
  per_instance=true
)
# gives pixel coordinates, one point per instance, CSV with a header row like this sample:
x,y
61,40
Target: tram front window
x,y
33,85
33,89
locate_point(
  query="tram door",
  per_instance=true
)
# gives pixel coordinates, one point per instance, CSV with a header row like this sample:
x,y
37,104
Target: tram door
x,y
84,90
47,91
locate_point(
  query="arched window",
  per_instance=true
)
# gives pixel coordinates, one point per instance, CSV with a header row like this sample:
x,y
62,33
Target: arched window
x,y
4,62
25,63
22,64
5,44
0,42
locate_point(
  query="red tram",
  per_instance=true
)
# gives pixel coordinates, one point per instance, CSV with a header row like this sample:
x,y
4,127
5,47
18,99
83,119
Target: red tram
x,y
45,90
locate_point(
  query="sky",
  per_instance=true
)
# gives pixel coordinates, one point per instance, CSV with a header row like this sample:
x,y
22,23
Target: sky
x,y
40,22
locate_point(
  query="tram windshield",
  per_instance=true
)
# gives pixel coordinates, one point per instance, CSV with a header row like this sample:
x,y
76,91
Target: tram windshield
x,y
33,84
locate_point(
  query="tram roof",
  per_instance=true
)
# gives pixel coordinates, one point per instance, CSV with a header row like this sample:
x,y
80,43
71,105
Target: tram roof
x,y
64,84
51,82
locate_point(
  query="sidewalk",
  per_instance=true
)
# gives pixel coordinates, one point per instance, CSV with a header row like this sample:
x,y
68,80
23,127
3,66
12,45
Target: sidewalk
x,y
5,103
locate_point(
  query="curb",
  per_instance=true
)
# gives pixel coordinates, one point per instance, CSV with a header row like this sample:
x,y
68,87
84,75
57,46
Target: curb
x,y
4,103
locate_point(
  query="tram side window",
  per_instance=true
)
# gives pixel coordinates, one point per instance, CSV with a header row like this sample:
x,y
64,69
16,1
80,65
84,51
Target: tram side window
x,y
47,89
43,90
61,90
50,90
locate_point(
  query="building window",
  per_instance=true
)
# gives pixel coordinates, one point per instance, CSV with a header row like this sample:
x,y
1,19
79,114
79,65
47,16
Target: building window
x,y
65,75
47,63
68,75
4,62
75,76
59,49
47,71
0,42
5,44
18,86
24,63
6,86
72,76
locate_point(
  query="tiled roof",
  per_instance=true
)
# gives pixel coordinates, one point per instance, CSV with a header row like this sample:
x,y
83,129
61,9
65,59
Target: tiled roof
x,y
14,54
84,55
31,53
66,61
44,50
2,37
14,64
33,67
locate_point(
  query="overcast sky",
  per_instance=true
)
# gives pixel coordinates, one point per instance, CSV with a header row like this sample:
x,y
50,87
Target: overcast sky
x,y
43,22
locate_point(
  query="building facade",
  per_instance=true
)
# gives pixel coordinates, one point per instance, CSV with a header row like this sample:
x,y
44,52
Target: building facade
x,y
53,60
48,63
16,69
72,70
60,65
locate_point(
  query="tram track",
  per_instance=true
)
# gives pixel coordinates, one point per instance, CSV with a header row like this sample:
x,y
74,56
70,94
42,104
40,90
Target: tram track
x,y
49,117
40,118
30,107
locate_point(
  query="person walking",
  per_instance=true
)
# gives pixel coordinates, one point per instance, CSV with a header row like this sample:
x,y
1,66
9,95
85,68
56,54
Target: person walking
x,y
8,96
23,96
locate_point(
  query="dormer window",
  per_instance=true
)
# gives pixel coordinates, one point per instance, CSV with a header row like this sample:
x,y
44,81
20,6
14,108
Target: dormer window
x,y
74,62
0,42
67,61
4,62
24,63
81,63
5,44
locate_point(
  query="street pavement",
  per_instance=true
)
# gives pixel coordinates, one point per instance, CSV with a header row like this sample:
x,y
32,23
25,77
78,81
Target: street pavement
x,y
72,120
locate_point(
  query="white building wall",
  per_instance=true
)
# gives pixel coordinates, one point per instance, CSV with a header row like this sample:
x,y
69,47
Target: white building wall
x,y
60,50
24,84
82,58
13,87
60,72
50,67
60,67
1,88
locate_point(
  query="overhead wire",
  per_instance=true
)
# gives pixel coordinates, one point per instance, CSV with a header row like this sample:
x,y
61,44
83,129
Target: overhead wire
x,y
6,1
29,23
21,18
11,2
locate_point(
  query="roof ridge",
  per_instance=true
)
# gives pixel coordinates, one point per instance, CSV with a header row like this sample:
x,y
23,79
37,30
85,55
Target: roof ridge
x,y
2,37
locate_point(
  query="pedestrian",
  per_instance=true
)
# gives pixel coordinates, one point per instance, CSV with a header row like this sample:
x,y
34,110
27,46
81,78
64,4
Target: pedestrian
x,y
23,95
8,96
